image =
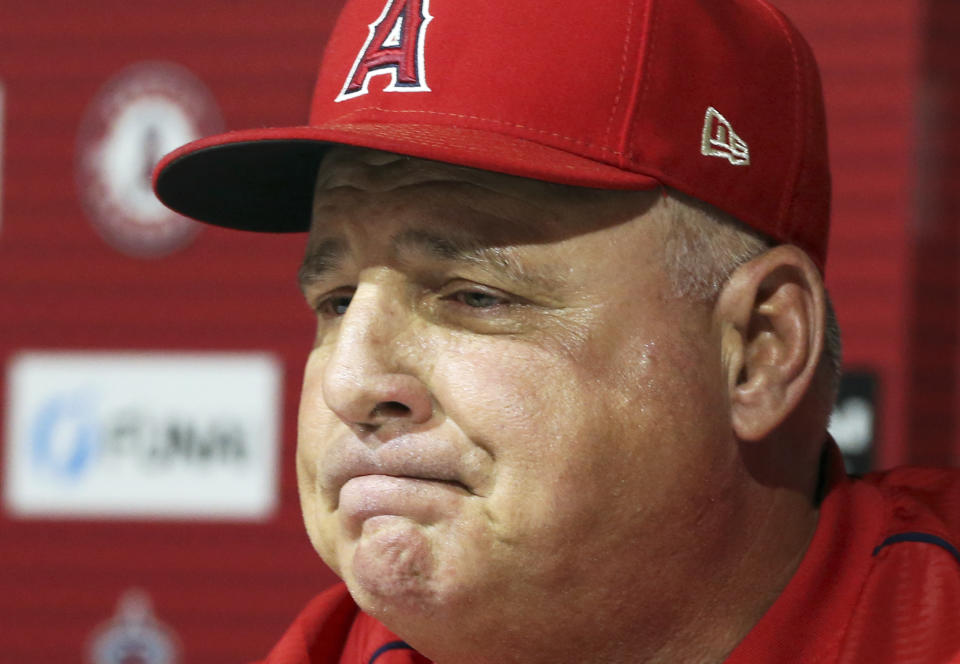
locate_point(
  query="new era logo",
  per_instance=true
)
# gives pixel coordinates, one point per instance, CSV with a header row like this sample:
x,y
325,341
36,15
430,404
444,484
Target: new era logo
x,y
720,140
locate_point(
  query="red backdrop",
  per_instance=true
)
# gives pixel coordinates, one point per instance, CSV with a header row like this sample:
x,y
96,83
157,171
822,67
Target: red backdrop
x,y
229,589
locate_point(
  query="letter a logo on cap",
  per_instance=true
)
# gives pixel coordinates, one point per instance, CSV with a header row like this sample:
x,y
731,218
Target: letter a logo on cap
x,y
394,47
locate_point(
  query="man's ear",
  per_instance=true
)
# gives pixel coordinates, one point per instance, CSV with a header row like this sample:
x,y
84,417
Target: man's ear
x,y
771,314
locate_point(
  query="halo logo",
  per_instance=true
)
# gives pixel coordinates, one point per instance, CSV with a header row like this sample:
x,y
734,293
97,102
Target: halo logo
x,y
145,111
394,47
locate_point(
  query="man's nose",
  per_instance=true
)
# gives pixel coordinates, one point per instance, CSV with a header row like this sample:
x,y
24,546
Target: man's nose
x,y
371,378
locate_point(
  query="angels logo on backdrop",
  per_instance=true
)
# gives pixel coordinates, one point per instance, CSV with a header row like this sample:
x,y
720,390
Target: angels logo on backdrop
x,y
133,635
145,111
395,47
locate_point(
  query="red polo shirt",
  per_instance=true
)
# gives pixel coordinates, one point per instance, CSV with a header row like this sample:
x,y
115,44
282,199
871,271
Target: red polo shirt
x,y
332,630
880,583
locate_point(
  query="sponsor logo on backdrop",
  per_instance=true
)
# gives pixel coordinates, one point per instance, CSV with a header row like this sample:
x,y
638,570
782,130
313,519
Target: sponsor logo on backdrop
x,y
142,435
145,111
133,635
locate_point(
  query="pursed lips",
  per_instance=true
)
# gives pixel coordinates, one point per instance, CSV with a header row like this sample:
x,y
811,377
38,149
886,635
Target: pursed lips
x,y
404,457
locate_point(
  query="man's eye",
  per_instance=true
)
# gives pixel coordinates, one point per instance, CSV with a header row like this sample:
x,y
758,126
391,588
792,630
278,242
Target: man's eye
x,y
335,305
478,299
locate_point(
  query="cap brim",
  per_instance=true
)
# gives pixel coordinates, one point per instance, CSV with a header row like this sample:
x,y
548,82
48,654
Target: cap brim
x,y
263,179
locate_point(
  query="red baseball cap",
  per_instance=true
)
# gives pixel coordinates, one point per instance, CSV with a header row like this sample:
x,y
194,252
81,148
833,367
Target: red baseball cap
x,y
719,99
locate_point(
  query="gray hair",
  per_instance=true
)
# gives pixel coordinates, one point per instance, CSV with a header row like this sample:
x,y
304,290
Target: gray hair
x,y
706,245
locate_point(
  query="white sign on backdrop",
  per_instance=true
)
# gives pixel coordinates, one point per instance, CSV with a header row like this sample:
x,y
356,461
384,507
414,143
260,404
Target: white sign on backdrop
x,y
124,435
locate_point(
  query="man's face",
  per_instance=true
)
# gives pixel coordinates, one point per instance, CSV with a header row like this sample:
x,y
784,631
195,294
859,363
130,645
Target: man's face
x,y
505,407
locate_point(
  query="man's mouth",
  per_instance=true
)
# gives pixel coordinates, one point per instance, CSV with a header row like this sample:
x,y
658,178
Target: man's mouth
x,y
456,484
424,500
403,462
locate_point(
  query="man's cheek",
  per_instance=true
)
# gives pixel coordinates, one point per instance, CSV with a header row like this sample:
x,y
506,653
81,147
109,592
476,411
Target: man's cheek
x,y
322,528
499,389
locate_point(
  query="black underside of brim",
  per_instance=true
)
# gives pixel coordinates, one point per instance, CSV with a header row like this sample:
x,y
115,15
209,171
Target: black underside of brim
x,y
263,185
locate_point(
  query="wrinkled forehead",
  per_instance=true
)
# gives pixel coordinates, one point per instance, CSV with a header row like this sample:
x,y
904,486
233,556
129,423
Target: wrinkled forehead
x,y
349,175
377,171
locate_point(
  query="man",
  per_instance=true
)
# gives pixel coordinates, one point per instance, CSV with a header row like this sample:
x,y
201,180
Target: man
x,y
568,395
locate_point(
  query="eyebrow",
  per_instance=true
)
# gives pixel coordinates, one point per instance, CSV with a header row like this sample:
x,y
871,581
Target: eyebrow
x,y
321,260
328,255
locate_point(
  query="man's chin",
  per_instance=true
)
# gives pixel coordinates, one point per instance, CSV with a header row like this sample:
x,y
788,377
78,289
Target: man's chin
x,y
391,565
402,571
